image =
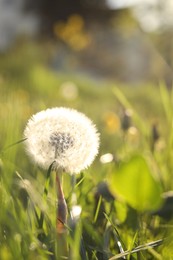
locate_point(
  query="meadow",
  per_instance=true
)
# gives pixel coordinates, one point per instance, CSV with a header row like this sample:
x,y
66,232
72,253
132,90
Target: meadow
x,y
122,204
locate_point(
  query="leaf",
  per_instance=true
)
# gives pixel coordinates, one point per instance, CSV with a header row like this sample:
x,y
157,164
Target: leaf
x,y
121,211
97,209
45,193
134,182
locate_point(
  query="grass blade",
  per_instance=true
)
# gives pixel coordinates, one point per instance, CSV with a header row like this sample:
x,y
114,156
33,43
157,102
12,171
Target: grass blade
x,y
138,249
45,192
13,144
97,209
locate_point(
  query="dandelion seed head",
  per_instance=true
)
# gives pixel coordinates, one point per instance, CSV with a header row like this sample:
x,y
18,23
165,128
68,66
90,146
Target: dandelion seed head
x,y
61,142
62,136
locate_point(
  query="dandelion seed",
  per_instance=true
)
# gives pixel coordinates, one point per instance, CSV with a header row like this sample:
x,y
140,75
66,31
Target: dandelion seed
x,y
63,136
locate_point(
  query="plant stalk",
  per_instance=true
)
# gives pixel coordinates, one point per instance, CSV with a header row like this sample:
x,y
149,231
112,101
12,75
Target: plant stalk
x,y
61,219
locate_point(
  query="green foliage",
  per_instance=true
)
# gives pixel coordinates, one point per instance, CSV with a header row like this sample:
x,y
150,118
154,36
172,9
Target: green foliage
x,y
120,200
133,181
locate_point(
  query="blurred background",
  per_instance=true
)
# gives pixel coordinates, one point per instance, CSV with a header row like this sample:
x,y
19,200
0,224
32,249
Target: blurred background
x,y
60,54
53,53
113,61
127,41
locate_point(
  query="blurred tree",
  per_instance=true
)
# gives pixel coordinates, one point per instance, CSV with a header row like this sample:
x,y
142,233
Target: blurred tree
x,y
59,10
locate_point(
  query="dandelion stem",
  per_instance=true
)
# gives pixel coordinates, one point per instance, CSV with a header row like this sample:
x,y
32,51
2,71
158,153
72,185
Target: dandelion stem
x,y
61,220
61,207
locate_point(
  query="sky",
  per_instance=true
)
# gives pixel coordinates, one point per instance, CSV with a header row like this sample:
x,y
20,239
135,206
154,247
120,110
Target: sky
x,y
153,15
128,3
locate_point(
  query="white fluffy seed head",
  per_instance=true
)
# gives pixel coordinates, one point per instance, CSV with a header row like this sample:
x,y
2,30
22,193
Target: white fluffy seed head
x,y
62,136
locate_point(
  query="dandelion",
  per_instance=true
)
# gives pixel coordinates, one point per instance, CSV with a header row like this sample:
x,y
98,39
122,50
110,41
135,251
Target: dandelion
x,y
62,136
61,139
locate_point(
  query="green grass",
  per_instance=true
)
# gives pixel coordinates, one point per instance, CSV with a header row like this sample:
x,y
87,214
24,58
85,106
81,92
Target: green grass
x,y
128,218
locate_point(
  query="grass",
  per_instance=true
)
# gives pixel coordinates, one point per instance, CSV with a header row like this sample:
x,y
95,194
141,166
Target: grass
x,y
122,217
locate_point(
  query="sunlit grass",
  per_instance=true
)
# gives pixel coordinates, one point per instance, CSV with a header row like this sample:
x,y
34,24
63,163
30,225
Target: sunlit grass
x,y
110,224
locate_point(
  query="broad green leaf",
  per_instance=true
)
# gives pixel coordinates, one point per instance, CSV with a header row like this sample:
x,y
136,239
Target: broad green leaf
x,y
134,182
121,211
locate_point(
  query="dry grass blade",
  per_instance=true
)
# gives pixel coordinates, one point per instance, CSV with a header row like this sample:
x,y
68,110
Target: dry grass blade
x,y
138,249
